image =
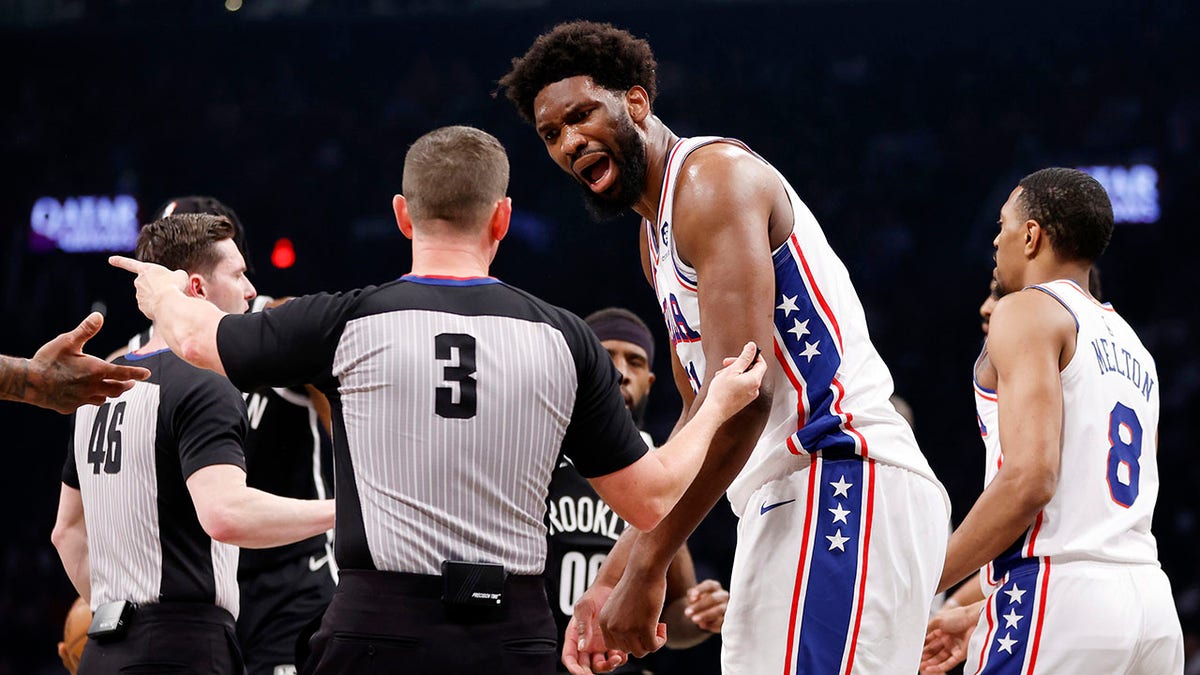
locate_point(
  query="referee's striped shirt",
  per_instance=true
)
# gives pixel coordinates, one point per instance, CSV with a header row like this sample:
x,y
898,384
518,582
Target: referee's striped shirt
x,y
130,458
452,399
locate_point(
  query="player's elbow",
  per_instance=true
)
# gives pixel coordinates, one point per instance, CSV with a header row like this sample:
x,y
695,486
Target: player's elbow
x,y
650,514
60,536
1035,486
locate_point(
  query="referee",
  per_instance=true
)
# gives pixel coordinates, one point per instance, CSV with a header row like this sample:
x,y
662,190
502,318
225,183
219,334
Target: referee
x,y
453,395
154,499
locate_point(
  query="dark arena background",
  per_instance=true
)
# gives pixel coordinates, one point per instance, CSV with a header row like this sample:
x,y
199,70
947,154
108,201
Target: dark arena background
x,y
903,124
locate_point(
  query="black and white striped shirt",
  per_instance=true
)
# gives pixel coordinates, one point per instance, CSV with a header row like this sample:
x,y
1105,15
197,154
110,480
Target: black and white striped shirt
x,y
130,459
452,399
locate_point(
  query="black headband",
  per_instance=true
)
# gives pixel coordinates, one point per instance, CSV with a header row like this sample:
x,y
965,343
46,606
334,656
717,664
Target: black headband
x,y
616,327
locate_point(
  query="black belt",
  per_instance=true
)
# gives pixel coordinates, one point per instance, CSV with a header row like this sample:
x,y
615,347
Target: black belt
x,y
418,585
195,612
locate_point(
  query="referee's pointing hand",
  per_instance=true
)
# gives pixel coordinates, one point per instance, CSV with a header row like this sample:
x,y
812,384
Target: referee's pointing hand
x,y
153,282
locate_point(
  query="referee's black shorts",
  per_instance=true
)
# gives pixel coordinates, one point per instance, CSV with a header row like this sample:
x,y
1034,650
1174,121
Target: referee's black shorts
x,y
391,623
169,638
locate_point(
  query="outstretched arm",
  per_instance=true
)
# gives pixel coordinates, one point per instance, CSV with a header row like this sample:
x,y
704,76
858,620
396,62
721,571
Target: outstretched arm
x,y
61,377
189,325
233,513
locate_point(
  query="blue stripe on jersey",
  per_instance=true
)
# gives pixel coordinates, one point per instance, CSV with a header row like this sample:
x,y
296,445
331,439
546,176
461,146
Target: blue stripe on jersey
x,y
1015,603
833,571
450,281
813,350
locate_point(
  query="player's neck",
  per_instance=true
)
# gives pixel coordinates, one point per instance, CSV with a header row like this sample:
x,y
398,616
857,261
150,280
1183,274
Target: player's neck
x,y
659,141
1053,271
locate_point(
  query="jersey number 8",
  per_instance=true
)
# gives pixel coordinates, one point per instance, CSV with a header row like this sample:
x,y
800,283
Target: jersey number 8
x,y
1122,423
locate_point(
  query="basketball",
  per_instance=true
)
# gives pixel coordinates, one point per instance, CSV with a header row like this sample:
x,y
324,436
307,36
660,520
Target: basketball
x,y
79,617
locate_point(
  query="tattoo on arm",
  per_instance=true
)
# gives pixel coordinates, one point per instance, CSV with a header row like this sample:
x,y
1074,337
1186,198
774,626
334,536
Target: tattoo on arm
x,y
14,378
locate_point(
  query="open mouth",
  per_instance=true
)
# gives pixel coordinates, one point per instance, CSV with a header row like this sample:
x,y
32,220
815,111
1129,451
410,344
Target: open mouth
x,y
596,170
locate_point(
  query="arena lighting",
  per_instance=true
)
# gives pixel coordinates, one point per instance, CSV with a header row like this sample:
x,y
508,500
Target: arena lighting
x,y
85,224
233,5
283,255
1133,191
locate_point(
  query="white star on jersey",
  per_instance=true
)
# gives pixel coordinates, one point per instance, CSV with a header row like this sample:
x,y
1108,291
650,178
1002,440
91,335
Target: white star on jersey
x,y
836,540
841,488
1012,618
1006,643
788,306
810,349
1015,594
839,514
799,328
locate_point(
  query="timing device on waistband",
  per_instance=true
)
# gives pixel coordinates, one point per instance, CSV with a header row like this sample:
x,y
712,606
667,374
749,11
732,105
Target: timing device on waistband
x,y
111,620
472,583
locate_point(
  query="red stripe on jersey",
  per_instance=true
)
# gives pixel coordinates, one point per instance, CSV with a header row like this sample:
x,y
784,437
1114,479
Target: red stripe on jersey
x,y
817,291
866,548
1037,636
813,469
800,415
991,606
849,417
1037,525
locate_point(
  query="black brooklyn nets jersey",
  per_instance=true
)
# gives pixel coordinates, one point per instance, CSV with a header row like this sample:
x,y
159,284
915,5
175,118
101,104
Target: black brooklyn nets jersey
x,y
452,399
130,458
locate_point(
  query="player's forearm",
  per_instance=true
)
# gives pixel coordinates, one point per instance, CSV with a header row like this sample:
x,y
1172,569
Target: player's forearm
x,y
252,518
1002,514
14,379
970,592
189,325
71,543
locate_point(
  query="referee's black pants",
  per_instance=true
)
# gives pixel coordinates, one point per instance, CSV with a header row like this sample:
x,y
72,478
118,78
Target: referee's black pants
x,y
391,623
167,639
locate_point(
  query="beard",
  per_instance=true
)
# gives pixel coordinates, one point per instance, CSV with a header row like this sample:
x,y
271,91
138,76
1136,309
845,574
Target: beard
x,y
639,411
631,176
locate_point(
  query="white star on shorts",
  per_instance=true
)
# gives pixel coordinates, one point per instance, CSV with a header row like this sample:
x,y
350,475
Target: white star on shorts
x,y
810,349
841,488
839,514
1015,594
788,305
836,540
1006,643
1012,618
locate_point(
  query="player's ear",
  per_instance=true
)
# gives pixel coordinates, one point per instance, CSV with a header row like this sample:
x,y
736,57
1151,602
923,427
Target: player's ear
x,y
400,207
501,217
196,287
1035,237
637,104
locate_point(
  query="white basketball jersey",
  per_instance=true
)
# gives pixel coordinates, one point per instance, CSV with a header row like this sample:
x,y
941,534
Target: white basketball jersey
x,y
1108,480
831,387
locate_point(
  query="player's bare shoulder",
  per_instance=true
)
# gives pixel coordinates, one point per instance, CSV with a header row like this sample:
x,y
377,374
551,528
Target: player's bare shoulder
x,y
1031,316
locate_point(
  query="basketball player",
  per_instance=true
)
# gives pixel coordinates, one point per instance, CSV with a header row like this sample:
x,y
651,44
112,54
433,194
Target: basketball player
x,y
61,377
453,396
1068,407
154,500
825,475
583,528
282,589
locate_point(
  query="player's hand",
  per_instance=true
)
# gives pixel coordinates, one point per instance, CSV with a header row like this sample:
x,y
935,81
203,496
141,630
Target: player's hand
x,y
736,384
630,617
62,378
706,605
584,651
946,638
153,282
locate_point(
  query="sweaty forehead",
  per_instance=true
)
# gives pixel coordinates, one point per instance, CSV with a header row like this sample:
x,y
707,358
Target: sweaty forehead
x,y
624,348
1011,207
557,98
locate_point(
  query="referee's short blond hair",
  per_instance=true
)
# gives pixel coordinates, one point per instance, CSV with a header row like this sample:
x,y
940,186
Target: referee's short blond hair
x,y
455,174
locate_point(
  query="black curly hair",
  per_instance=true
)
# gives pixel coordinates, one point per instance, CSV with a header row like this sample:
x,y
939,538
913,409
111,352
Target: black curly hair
x,y
1073,208
612,57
